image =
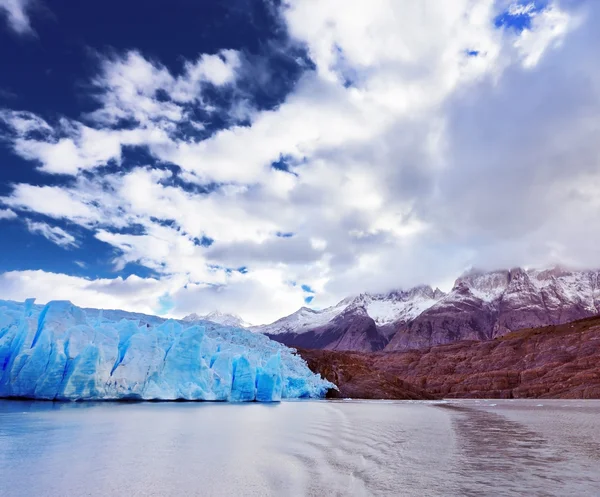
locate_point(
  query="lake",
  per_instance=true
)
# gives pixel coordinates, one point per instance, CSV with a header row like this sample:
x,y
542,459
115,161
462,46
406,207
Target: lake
x,y
467,448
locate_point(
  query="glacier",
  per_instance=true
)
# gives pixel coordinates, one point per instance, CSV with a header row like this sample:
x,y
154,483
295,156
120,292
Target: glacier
x,y
62,352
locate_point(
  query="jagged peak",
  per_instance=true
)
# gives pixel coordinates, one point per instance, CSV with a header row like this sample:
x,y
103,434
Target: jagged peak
x,y
348,300
218,317
461,287
192,317
470,271
438,294
517,272
476,274
305,309
551,272
220,314
421,290
404,305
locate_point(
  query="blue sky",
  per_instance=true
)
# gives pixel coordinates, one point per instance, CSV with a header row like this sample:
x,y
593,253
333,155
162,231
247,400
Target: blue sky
x,y
255,156
50,71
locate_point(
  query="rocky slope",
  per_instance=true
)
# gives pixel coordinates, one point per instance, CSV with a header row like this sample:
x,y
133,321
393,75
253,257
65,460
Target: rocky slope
x,y
353,374
480,306
487,305
551,362
363,323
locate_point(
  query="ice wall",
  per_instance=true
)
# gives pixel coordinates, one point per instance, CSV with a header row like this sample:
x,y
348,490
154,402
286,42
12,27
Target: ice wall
x,y
60,351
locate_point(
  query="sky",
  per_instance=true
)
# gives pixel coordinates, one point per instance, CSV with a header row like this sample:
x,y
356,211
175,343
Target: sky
x,y
255,156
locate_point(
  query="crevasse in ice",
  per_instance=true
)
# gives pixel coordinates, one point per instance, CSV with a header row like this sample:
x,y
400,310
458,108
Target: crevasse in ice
x,y
60,351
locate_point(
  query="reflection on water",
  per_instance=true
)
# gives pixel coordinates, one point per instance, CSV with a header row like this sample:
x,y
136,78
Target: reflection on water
x,y
465,448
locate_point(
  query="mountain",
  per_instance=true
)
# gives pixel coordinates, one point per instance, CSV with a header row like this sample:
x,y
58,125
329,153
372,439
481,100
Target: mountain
x,y
365,322
485,305
561,361
221,318
480,306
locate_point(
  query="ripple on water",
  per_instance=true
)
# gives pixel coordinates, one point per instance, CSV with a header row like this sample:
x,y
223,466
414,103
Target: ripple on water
x,y
500,448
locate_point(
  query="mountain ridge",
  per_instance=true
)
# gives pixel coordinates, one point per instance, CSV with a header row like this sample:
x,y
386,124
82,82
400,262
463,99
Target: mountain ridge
x,y
481,305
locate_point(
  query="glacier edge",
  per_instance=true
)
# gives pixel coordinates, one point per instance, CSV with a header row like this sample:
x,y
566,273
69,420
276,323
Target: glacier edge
x,y
62,352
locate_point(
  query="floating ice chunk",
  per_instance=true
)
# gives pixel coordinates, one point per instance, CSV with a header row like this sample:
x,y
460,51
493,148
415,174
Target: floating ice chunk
x,y
62,352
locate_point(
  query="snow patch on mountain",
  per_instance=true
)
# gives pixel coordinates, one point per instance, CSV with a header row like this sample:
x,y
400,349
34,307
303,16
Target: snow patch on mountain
x,y
533,297
582,287
555,293
218,317
386,311
304,319
382,308
485,286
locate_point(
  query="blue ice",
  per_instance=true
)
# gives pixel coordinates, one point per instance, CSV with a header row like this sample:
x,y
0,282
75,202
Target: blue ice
x,y
62,352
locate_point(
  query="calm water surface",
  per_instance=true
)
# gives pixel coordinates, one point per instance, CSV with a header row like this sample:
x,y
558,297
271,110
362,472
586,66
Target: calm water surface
x,y
470,448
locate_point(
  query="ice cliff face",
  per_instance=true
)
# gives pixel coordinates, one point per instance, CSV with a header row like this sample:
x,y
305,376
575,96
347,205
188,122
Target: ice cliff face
x,y
62,352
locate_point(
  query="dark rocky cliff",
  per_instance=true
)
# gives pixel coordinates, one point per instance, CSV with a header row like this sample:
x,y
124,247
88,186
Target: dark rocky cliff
x,y
551,362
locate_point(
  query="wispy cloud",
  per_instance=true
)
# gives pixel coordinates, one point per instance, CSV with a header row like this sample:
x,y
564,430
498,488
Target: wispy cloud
x,y
7,214
53,233
16,15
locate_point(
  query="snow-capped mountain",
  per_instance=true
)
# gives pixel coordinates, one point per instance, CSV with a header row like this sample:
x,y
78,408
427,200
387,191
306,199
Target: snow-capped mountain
x,y
304,319
480,306
485,305
381,308
218,317
398,305
363,322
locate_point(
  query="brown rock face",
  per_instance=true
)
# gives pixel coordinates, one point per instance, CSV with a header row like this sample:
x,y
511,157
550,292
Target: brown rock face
x,y
354,375
552,362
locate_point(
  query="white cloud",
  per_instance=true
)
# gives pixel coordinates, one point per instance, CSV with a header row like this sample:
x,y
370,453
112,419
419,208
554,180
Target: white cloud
x,y
129,86
127,89
53,201
24,122
517,9
133,293
7,214
71,147
548,29
425,140
247,293
65,157
53,233
219,70
16,14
